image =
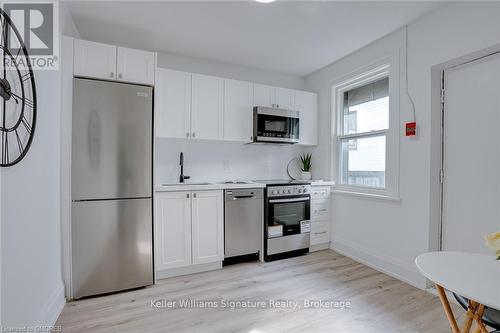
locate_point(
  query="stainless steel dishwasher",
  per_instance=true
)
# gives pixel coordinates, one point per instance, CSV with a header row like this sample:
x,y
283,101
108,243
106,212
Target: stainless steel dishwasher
x,y
243,223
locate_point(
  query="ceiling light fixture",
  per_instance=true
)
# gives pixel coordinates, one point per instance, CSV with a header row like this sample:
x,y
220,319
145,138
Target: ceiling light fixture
x,y
265,1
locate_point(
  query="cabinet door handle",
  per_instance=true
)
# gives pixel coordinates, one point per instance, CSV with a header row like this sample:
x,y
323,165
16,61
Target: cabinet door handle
x,y
277,105
187,195
111,74
187,134
194,134
320,233
194,195
120,75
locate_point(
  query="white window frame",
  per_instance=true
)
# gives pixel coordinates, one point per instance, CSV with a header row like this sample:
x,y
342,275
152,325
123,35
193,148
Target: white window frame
x,y
386,68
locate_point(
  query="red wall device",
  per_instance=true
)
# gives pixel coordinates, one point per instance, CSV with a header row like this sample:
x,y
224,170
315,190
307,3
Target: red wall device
x,y
411,128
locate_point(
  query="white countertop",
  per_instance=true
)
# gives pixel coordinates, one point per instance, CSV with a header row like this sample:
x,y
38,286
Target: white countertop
x,y
207,186
322,183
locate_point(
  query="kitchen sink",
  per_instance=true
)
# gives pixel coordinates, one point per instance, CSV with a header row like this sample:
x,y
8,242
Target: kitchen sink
x,y
180,184
237,182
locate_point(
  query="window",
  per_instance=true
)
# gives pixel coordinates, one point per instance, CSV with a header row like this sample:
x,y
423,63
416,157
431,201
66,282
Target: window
x,y
365,143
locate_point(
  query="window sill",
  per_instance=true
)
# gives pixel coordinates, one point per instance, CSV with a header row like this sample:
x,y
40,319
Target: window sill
x,y
368,195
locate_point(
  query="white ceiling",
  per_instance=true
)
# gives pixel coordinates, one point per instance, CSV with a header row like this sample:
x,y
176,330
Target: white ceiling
x,y
294,37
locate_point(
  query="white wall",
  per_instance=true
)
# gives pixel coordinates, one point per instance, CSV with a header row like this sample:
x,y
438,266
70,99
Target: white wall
x,y
219,161
68,27
32,288
390,234
31,277
237,72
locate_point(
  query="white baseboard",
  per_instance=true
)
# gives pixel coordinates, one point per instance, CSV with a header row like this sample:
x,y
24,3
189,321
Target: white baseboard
x,y
52,308
188,270
379,262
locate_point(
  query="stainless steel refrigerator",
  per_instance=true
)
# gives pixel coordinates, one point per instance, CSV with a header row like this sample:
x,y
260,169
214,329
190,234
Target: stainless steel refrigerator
x,y
111,187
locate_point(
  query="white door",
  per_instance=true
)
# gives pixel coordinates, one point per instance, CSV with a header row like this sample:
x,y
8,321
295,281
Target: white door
x,y
238,110
285,98
471,197
172,229
263,95
207,225
94,60
207,107
173,103
135,66
307,105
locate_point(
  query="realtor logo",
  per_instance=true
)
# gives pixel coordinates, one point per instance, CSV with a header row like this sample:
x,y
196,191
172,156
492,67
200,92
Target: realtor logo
x,y
37,24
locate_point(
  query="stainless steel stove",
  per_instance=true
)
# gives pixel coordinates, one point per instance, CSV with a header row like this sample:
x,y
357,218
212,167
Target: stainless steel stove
x,y
286,218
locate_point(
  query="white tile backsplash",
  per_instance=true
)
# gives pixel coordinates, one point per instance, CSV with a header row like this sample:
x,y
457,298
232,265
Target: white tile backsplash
x,y
218,161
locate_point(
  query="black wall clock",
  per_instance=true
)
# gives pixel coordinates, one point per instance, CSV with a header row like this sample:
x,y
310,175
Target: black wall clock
x,y
17,95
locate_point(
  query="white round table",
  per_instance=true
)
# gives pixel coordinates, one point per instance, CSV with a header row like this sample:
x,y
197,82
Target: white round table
x,y
474,276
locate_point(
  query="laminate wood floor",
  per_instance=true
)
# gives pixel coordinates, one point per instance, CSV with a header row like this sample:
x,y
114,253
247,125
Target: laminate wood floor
x,y
378,303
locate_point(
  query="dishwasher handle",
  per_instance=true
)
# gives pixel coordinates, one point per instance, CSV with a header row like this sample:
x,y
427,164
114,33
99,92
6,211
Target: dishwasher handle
x,y
243,197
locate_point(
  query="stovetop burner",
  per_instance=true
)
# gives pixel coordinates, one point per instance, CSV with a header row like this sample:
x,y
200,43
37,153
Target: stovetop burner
x,y
277,182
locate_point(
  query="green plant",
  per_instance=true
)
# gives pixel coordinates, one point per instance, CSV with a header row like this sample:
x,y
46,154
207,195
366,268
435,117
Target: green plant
x,y
306,162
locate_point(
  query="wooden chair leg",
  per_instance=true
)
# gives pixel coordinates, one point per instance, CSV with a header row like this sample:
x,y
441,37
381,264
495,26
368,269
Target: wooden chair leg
x,y
469,317
447,309
481,328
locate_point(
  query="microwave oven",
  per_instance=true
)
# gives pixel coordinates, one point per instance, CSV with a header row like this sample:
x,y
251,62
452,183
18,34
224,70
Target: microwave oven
x,y
275,125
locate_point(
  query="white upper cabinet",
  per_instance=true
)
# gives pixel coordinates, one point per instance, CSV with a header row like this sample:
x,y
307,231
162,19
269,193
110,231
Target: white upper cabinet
x,y
103,61
273,97
135,66
307,105
173,103
94,60
263,95
172,230
207,225
207,107
285,98
238,110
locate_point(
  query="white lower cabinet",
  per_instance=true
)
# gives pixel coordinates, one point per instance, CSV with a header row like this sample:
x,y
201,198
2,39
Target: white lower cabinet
x,y
207,222
172,230
320,217
188,229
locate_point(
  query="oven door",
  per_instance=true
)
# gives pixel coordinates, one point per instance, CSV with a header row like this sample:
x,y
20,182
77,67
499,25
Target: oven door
x,y
288,216
276,125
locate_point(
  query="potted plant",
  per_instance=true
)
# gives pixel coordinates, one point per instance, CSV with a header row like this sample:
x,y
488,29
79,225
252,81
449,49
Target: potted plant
x,y
305,159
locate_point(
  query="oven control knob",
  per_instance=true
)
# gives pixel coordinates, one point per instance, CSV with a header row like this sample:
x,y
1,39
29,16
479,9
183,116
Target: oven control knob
x,y
272,192
300,191
305,190
289,191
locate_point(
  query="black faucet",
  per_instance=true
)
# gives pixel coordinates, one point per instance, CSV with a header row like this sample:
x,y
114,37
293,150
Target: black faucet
x,y
182,177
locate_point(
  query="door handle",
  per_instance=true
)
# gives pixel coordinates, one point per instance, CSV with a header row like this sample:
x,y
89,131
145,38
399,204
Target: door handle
x,y
243,197
288,200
